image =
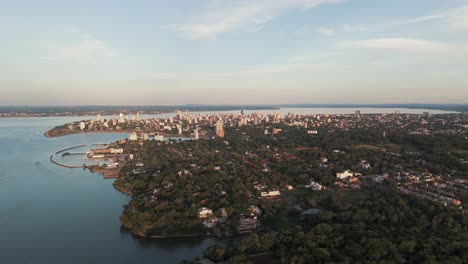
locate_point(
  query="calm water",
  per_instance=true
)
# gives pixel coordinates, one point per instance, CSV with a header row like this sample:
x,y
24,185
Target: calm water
x,y
331,110
50,214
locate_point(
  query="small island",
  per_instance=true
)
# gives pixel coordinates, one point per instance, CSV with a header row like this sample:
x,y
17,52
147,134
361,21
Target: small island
x,y
344,183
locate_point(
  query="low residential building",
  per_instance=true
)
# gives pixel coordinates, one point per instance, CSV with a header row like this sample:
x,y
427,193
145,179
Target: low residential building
x,y
270,194
210,222
379,178
308,212
116,150
314,186
223,215
254,210
344,175
276,131
204,212
247,223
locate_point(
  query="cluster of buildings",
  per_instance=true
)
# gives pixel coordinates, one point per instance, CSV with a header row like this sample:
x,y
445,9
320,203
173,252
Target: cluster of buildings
x,y
247,221
212,220
433,187
200,125
110,158
443,193
424,185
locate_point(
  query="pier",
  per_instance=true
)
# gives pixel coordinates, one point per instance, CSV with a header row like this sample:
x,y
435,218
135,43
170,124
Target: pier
x,y
63,150
65,165
65,154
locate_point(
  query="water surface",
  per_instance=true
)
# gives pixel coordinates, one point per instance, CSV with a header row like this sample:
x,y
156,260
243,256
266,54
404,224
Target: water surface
x,y
50,214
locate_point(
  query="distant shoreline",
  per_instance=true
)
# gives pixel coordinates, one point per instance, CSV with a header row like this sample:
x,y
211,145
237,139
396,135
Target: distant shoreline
x,y
47,133
28,112
72,132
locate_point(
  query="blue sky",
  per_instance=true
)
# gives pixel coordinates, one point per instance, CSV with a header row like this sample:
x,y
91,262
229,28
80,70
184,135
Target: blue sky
x,y
56,52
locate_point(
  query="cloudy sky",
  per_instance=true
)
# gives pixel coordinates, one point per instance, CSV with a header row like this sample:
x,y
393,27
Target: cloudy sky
x,y
58,52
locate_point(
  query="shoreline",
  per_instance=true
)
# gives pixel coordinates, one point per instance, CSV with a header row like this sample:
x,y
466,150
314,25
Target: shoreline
x,y
77,115
443,109
47,133
115,175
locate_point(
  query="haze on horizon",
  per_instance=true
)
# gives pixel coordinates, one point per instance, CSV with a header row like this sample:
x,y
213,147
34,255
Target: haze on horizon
x,y
114,52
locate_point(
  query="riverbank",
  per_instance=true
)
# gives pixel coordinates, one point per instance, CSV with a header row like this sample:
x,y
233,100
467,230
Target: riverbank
x,y
107,174
53,134
121,189
177,236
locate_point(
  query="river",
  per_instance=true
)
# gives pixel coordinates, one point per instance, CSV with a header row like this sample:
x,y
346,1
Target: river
x,y
50,214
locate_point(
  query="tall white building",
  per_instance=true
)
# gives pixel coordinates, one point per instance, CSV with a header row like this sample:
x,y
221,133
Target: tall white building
x,y
133,136
195,134
220,128
121,118
179,129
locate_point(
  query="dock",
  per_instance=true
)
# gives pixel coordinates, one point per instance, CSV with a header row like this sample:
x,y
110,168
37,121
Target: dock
x,y
65,165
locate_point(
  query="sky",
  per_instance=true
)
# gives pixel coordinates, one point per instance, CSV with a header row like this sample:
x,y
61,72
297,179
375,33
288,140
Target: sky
x,y
114,52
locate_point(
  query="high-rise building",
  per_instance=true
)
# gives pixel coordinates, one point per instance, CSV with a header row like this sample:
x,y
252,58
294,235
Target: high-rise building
x,y
121,118
138,116
195,134
220,128
133,136
179,129
159,137
82,125
144,136
99,118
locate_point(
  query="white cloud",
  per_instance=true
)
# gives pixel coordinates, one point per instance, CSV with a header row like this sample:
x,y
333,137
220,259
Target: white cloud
x,y
352,29
245,72
87,50
399,44
458,18
224,16
327,32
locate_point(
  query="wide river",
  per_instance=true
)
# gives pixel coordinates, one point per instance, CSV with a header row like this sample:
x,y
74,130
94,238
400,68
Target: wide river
x,y
50,214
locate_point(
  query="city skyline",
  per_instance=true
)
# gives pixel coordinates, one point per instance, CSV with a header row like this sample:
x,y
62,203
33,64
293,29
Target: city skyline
x,y
233,52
